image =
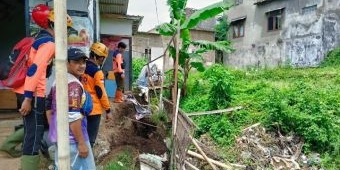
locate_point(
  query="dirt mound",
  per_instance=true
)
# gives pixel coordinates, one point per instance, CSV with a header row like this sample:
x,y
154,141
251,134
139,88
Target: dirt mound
x,y
124,131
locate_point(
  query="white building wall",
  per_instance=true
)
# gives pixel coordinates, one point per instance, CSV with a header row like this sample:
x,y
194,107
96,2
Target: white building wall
x,y
116,27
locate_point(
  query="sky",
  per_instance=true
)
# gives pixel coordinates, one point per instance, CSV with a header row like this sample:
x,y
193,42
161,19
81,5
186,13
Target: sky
x,y
147,8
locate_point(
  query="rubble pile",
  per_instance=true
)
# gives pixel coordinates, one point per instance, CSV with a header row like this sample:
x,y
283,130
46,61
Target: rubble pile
x,y
262,150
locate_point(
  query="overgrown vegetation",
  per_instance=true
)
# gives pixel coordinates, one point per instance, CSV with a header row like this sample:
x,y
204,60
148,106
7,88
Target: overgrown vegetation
x,y
332,59
302,101
137,65
190,59
123,161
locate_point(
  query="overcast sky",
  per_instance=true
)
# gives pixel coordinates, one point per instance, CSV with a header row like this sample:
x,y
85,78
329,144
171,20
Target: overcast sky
x,y
147,8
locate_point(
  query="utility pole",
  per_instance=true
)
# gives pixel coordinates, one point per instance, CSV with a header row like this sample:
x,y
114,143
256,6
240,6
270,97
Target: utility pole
x,y
60,31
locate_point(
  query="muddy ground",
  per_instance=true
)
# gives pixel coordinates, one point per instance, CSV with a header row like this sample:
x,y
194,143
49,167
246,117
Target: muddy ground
x,y
124,132
116,136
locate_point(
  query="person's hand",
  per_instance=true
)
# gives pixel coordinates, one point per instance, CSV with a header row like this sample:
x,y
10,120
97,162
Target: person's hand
x,y
122,75
26,107
109,116
83,150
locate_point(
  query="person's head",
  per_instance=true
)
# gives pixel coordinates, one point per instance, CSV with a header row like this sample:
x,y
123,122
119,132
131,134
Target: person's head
x,y
76,61
98,53
43,16
121,46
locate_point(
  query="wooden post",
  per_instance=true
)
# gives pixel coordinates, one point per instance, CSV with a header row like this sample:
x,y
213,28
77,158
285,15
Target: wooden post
x,y
174,93
61,84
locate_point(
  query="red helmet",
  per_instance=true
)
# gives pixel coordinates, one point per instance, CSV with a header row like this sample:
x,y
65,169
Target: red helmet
x,y
40,15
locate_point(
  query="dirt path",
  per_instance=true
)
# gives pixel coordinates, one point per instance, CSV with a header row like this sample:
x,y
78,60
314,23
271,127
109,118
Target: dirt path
x,y
6,128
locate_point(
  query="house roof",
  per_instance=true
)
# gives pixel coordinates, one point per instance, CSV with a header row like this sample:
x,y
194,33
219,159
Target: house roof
x,y
206,25
118,9
257,2
113,6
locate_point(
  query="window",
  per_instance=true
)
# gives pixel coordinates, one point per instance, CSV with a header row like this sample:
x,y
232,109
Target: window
x,y
309,10
238,27
275,20
238,2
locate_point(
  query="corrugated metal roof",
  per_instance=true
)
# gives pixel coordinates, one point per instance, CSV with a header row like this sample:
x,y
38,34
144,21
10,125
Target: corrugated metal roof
x,y
113,6
261,1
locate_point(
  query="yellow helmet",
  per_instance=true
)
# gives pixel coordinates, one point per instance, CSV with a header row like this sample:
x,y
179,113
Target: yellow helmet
x,y
68,21
100,49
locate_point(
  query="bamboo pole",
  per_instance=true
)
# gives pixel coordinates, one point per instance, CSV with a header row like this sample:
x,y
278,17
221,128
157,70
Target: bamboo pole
x,y
215,111
174,92
202,153
61,84
191,165
162,74
220,164
176,112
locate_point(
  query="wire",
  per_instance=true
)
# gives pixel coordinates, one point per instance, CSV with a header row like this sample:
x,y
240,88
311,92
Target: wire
x,y
157,11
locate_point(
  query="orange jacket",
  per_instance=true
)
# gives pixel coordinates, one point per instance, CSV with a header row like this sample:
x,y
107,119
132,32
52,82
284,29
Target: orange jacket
x,y
117,63
93,82
41,54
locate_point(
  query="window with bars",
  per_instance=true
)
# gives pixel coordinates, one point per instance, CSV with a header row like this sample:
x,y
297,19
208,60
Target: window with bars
x,y
275,19
238,28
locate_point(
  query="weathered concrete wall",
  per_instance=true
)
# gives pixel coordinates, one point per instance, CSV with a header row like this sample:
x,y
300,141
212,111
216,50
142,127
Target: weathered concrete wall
x,y
144,40
117,27
303,41
209,57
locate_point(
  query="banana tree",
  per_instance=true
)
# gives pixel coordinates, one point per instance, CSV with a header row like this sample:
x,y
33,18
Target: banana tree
x,y
191,59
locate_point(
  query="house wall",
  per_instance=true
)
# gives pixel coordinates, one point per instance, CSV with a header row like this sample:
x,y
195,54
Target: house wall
x,y
142,41
145,40
209,57
78,5
112,26
303,40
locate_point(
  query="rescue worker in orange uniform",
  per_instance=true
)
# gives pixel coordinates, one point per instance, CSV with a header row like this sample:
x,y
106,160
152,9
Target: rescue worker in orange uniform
x,y
118,69
93,82
31,95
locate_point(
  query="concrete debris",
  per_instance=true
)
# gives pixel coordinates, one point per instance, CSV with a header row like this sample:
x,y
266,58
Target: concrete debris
x,y
262,150
151,162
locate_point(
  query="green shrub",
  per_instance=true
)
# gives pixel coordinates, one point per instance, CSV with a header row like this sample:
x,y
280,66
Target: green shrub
x,y
309,113
137,65
221,84
332,58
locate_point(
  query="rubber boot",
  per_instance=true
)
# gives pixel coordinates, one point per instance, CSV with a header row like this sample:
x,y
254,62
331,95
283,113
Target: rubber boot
x,y
30,162
118,97
12,142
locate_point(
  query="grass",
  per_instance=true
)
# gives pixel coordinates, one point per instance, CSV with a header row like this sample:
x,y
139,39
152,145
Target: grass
x,y
123,161
303,100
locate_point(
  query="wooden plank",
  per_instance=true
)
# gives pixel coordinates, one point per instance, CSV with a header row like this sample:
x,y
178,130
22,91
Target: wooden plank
x,y
215,111
8,100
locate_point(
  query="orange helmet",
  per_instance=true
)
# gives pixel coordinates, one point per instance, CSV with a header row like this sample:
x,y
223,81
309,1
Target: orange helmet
x,y
68,18
100,49
40,14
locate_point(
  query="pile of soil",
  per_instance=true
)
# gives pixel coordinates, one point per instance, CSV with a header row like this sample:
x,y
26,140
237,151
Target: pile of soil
x,y
125,132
